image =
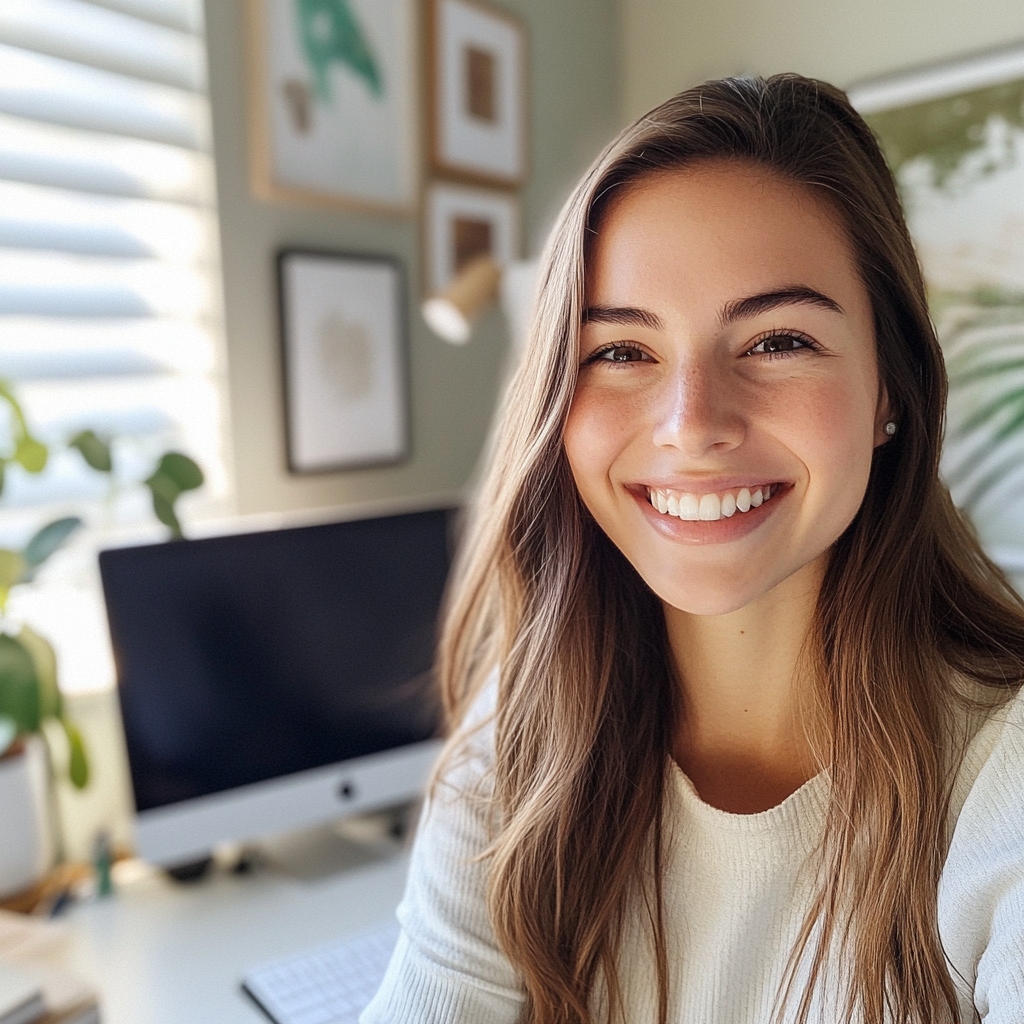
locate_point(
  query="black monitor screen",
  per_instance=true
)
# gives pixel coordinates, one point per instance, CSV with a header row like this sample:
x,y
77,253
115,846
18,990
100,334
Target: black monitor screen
x,y
249,657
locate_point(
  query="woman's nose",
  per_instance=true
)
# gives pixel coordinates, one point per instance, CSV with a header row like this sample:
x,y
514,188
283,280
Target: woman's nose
x,y
697,412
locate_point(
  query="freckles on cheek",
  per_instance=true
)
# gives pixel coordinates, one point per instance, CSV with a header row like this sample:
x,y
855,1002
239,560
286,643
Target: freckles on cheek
x,y
839,423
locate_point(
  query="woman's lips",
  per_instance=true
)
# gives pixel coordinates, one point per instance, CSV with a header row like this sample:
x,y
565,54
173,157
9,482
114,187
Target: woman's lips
x,y
714,522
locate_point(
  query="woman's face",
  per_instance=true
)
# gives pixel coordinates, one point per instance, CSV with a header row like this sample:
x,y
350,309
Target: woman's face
x,y
728,400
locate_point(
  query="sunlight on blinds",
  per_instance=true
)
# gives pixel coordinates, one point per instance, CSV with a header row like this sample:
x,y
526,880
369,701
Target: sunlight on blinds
x,y
110,309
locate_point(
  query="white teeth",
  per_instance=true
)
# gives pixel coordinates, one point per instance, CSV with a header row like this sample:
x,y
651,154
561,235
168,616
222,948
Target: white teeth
x,y
710,508
689,507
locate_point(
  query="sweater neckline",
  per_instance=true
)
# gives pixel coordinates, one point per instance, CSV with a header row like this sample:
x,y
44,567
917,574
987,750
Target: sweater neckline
x,y
796,822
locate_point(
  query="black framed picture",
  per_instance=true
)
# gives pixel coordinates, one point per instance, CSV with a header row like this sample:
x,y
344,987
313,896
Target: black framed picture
x,y
344,347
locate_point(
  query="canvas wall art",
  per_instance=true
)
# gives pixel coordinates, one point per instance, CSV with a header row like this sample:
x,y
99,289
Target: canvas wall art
x,y
333,101
954,137
344,348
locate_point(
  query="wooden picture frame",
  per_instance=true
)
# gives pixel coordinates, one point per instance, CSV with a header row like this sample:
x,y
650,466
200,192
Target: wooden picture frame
x,y
345,360
333,103
477,69
464,221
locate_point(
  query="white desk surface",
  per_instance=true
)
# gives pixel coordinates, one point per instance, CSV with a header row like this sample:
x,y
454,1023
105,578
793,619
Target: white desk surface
x,y
166,953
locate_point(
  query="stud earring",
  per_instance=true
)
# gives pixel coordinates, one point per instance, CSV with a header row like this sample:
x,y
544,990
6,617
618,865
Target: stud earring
x,y
890,428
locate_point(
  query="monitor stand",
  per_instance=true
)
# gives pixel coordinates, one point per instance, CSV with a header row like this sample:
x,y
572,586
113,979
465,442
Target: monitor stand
x,y
314,853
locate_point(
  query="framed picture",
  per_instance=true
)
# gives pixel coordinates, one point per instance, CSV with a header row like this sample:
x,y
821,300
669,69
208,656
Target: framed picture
x,y
478,92
954,138
333,102
344,347
464,222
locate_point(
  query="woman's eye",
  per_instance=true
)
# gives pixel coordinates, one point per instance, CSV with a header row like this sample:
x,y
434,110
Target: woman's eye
x,y
619,353
780,345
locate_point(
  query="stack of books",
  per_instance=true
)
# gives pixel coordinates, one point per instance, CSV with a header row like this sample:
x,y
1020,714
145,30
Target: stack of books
x,y
34,989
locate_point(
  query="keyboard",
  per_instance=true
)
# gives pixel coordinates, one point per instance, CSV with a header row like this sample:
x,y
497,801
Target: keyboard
x,y
328,985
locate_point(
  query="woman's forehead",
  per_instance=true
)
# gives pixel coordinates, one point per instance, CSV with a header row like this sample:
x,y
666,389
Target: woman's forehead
x,y
730,225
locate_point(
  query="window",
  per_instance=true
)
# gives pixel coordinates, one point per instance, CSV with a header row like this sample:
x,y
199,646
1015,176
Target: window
x,y
110,311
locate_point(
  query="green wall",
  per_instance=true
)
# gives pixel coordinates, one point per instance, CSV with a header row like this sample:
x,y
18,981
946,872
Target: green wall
x,y
668,45
574,89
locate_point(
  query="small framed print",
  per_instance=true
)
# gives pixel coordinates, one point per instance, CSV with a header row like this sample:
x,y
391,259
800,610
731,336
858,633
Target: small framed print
x,y
465,222
344,350
478,92
332,102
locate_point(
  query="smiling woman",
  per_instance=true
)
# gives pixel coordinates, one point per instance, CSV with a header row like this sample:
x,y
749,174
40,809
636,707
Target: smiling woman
x,y
732,687
747,378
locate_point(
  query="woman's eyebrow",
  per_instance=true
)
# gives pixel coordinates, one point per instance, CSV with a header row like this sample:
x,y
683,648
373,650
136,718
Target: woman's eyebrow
x,y
625,316
793,295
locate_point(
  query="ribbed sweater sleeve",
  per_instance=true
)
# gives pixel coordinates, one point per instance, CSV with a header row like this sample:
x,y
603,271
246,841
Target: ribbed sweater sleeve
x,y
447,968
981,894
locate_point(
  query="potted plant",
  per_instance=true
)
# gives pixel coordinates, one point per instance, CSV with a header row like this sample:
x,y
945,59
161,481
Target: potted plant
x,y
32,712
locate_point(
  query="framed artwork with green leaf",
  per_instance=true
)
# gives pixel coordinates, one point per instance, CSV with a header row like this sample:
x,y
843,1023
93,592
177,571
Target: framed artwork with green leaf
x,y
333,107
954,138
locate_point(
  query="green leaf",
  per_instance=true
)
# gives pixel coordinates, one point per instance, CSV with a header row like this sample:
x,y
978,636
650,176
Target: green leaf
x,y
51,705
7,394
162,484
961,374
78,763
990,410
19,685
95,451
12,569
32,454
8,733
49,539
182,470
164,511
989,480
174,474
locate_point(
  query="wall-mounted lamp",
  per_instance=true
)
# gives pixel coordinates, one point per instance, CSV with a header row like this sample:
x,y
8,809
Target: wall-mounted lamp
x,y
452,313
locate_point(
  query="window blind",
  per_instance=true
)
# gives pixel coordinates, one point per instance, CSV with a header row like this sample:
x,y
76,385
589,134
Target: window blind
x,y
110,314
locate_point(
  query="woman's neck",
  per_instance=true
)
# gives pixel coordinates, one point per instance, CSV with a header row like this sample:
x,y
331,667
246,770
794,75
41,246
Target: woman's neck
x,y
742,738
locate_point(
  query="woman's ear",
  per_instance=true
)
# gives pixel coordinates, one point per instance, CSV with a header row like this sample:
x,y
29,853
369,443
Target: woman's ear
x,y
885,423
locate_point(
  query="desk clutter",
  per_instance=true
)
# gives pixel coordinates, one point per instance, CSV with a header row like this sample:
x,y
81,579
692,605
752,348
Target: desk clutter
x,y
328,985
33,989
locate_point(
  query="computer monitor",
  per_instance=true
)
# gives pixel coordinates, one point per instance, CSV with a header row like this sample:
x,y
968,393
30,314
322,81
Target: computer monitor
x,y
274,680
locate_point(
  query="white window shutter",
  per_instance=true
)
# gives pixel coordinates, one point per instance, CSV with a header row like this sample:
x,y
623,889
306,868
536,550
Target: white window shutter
x,y
110,308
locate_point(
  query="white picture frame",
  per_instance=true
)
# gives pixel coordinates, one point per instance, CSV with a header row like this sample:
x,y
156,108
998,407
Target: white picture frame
x,y
344,356
333,103
478,93
464,221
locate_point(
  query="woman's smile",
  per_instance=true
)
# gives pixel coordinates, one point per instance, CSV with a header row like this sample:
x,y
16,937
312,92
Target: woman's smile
x,y
727,404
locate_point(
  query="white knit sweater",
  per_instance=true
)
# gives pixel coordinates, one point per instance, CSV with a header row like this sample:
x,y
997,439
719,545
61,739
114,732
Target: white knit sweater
x,y
735,897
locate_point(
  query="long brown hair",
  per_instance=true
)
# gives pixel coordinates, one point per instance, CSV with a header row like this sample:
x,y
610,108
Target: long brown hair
x,y
587,700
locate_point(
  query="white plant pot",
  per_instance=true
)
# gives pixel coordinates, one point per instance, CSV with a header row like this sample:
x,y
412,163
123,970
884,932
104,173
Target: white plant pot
x,y
26,834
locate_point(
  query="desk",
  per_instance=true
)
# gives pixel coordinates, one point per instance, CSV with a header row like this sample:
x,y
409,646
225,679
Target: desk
x,y
165,953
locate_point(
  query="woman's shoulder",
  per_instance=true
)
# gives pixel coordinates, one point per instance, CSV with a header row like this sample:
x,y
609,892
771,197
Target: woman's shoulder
x,y
467,761
981,891
993,757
